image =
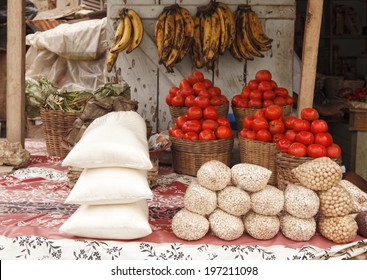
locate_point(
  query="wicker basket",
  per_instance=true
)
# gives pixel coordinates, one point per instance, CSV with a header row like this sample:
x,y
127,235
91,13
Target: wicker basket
x,y
189,155
56,125
181,111
259,153
241,113
285,163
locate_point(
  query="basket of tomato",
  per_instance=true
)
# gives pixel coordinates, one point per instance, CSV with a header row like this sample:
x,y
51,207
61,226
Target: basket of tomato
x,y
195,91
260,92
200,136
257,139
304,139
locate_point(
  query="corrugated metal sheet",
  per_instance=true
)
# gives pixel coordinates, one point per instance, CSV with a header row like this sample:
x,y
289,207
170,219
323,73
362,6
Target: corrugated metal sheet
x,y
95,5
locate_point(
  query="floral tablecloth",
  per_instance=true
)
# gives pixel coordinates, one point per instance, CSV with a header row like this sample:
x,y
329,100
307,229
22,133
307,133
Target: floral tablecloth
x,y
32,209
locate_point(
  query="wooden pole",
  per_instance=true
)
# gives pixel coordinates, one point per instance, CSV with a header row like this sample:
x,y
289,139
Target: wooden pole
x,y
15,99
309,54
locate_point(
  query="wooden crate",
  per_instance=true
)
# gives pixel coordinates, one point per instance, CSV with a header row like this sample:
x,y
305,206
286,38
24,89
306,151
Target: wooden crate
x,y
358,119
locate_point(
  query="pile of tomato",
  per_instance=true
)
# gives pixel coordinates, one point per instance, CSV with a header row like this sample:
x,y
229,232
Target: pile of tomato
x,y
201,124
305,136
262,92
195,91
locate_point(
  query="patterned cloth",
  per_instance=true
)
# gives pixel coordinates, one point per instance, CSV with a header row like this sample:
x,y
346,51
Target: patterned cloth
x,y
32,211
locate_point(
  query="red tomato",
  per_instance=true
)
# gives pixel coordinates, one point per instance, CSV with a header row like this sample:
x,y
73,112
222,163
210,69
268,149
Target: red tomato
x,y
288,121
264,135
273,112
187,91
191,136
316,150
202,101
245,93
199,86
248,134
215,101
242,103
264,86
318,126
268,95
334,151
178,101
177,133
255,94
207,134
247,121
169,99
184,84
297,149
191,79
283,145
259,123
309,114
194,113
276,127
289,100
223,99
207,83
273,84
282,92
223,121
210,113
280,101
214,91
223,132
190,101
209,124
172,128
235,100
305,137
277,137
290,134
173,90
263,75
300,125
324,138
267,103
259,113
252,84
199,76
180,121
255,103
191,125
204,93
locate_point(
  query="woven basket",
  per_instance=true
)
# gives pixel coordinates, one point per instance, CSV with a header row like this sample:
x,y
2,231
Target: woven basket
x,y
56,125
241,113
259,153
181,111
285,163
189,155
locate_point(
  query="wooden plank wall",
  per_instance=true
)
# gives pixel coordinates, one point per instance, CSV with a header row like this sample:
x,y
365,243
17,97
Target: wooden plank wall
x,y
150,82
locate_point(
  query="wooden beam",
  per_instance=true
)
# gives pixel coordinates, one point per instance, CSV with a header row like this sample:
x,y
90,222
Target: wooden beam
x,y
15,97
309,53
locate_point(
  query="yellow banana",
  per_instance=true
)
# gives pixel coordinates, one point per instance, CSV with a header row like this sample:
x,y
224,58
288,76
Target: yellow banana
x,y
256,29
223,32
206,33
111,60
179,39
245,38
123,43
118,32
230,23
159,32
189,32
169,36
196,49
138,30
215,30
235,52
242,48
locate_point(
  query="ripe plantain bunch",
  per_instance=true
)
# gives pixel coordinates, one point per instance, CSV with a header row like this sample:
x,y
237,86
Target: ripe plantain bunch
x,y
173,32
251,39
214,33
128,35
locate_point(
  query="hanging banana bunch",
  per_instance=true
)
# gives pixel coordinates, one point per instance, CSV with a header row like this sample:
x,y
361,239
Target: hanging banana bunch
x,y
128,36
214,33
251,39
173,32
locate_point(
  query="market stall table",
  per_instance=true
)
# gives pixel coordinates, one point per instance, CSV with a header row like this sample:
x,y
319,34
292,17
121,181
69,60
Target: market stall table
x,y
33,209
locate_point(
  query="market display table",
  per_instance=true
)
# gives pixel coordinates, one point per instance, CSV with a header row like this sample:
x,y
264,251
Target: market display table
x,y
33,209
